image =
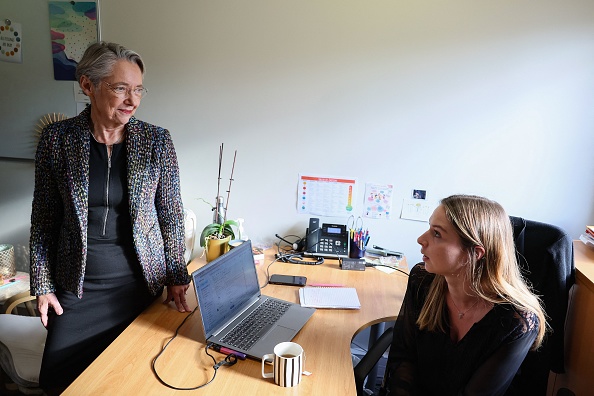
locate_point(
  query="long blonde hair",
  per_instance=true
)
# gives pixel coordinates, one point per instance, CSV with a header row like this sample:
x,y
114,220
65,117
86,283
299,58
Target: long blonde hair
x,y
496,276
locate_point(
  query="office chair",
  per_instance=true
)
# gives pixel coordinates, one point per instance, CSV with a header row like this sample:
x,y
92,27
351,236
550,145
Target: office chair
x,y
370,359
545,256
189,234
22,340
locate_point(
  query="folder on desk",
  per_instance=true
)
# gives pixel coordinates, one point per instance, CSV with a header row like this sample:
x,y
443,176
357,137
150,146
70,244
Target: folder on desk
x,y
329,297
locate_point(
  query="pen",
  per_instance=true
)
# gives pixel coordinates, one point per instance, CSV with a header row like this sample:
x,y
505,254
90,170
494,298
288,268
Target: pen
x,y
325,285
228,351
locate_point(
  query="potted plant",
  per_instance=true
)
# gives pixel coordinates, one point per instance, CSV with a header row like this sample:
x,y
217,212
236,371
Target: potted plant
x,y
215,237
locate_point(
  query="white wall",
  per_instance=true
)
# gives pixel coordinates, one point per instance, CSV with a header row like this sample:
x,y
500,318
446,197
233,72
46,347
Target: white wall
x,y
489,98
16,193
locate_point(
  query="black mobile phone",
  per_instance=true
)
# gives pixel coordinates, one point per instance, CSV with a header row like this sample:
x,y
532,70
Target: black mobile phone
x,y
288,280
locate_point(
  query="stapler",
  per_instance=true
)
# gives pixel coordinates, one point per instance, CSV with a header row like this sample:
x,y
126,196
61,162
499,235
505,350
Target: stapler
x,y
380,251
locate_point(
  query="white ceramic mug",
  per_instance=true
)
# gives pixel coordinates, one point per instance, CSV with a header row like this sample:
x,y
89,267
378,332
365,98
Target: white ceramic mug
x,y
233,243
287,361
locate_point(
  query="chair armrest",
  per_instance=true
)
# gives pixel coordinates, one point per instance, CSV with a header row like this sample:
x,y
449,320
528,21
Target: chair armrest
x,y
371,358
23,297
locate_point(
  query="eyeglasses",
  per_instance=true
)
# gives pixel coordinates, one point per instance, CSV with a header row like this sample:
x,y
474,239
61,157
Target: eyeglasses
x,y
123,91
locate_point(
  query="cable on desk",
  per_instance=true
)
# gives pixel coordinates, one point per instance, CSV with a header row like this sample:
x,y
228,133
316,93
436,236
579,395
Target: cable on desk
x,y
293,252
387,266
229,360
267,273
297,258
288,256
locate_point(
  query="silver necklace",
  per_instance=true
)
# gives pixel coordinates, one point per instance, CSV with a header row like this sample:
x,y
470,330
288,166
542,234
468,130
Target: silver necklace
x,y
460,313
108,145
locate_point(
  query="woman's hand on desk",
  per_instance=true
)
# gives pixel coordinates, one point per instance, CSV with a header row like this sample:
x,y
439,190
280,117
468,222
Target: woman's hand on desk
x,y
177,293
45,302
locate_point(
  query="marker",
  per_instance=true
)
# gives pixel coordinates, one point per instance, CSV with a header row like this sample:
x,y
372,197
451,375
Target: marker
x,y
228,351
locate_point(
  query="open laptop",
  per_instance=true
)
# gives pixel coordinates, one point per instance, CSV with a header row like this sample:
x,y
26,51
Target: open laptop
x,y
227,291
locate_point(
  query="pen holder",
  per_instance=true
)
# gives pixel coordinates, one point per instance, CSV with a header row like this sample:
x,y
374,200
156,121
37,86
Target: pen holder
x,y
356,250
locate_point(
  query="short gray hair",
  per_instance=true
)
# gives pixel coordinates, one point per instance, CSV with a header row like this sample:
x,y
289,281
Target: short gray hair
x,y
99,59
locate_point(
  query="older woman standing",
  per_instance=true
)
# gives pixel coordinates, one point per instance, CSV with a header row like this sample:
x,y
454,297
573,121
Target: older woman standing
x,y
107,228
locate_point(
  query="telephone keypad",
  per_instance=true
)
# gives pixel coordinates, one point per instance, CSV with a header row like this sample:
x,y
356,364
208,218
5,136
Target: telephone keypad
x,y
329,245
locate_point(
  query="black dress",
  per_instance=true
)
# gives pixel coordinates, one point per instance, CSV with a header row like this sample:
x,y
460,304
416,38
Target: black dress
x,y
484,362
114,290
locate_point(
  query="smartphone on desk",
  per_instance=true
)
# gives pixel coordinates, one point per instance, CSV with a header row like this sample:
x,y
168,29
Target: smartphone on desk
x,y
287,280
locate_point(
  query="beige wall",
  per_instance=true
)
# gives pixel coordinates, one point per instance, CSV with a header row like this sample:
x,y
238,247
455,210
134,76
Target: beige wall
x,y
486,98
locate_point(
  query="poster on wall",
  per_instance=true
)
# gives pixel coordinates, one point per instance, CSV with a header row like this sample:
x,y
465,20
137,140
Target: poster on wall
x,y
73,26
11,45
326,195
378,201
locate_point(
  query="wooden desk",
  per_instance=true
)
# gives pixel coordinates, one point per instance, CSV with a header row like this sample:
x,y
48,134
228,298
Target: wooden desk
x,y
124,368
579,345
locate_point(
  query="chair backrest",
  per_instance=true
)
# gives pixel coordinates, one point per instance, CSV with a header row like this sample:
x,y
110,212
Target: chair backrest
x,y
370,359
22,340
545,255
190,233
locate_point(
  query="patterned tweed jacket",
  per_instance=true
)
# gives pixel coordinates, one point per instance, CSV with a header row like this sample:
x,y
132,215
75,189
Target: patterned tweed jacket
x,y
60,206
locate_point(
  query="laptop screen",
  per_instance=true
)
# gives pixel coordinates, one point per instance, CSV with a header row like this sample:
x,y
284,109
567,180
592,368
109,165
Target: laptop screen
x,y
225,285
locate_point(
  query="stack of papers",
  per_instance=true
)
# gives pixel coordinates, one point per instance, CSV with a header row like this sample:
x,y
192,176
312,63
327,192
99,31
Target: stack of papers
x,y
588,236
329,297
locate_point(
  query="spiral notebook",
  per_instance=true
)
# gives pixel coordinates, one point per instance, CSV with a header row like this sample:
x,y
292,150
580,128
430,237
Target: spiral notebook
x,y
329,297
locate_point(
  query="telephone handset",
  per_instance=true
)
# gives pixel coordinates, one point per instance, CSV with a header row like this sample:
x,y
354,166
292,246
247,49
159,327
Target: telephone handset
x,y
328,240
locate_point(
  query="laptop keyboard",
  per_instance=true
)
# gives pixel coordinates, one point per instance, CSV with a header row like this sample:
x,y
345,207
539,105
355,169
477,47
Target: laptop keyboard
x,y
256,324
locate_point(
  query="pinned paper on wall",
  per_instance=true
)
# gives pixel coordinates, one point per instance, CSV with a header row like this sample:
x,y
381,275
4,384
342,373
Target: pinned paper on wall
x,y
417,209
11,44
326,195
378,201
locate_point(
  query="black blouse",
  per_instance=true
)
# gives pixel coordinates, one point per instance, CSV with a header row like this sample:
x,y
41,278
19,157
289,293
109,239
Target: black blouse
x,y
483,362
111,258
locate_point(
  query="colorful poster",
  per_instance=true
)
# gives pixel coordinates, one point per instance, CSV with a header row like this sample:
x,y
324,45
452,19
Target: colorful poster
x,y
326,195
11,45
378,201
73,26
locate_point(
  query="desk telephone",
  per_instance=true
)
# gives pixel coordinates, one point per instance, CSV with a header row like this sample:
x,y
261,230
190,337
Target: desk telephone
x,y
329,240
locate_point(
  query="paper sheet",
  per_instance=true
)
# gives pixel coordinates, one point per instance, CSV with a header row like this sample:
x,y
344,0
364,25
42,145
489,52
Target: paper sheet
x,y
417,209
329,297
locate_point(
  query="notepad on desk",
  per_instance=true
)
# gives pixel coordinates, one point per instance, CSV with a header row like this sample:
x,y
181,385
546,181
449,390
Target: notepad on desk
x,y
329,297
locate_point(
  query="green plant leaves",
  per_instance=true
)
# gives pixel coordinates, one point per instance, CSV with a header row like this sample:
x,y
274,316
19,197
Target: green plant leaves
x,y
218,231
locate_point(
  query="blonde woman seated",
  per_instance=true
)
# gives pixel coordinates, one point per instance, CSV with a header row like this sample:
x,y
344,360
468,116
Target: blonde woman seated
x,y
468,318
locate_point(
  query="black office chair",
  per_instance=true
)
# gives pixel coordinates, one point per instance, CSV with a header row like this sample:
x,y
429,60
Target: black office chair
x,y
370,359
545,255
